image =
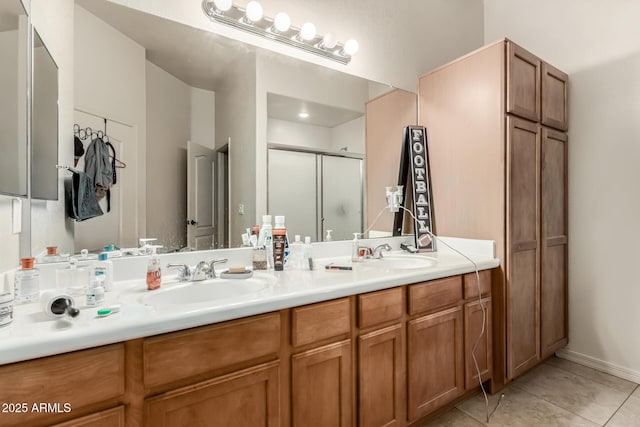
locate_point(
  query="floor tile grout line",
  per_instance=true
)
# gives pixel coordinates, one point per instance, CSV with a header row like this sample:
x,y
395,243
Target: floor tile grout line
x,y
620,407
560,407
592,379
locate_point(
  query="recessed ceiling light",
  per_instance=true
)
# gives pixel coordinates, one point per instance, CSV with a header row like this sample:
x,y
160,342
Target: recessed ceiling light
x,y
303,115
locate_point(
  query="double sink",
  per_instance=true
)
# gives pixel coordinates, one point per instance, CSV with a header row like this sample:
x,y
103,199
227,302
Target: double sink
x,y
194,294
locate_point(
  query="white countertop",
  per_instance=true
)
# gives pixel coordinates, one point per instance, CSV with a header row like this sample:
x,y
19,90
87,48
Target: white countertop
x,y
32,334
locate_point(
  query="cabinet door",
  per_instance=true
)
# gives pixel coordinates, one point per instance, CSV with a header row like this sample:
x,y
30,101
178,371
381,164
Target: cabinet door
x,y
321,391
381,378
523,83
108,418
553,284
554,97
523,230
484,351
246,398
435,371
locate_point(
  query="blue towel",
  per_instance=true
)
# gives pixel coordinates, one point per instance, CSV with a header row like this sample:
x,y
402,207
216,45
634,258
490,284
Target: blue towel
x,y
82,203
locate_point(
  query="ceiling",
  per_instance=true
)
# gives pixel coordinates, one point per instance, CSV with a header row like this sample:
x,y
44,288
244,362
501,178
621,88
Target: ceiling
x,y
9,11
286,108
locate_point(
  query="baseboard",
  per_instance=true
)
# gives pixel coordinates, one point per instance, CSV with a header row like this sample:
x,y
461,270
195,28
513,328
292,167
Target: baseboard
x,y
600,365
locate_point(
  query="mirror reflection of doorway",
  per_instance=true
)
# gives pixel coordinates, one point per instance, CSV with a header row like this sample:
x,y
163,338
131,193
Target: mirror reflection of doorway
x,y
316,192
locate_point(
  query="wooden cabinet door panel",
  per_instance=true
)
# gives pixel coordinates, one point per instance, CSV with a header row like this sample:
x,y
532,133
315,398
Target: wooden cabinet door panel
x,y
523,83
523,231
247,398
554,230
109,418
484,349
555,85
381,378
321,390
435,371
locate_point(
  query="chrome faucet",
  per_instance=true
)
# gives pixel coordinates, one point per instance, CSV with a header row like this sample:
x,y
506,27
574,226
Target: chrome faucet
x,y
202,271
184,271
377,252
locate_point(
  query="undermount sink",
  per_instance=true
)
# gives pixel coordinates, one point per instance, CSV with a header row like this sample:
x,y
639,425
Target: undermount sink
x,y
402,262
202,292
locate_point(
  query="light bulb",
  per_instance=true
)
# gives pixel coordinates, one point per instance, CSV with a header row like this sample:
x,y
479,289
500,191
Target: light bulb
x,y
222,5
351,47
254,11
303,114
282,22
308,31
329,41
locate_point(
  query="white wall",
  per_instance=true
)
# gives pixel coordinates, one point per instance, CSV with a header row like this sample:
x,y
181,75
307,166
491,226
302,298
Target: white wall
x,y
54,22
168,130
598,44
298,134
350,134
10,160
203,117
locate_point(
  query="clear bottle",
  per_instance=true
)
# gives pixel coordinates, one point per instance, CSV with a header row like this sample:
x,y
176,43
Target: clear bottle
x,y
26,283
329,236
266,238
307,255
51,256
355,248
104,267
295,255
154,273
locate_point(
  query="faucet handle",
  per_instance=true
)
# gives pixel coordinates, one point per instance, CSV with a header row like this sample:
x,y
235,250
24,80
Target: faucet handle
x,y
212,270
184,272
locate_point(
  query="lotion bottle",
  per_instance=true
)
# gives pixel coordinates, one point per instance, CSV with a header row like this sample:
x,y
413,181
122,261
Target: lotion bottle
x,y
154,274
355,248
265,239
104,267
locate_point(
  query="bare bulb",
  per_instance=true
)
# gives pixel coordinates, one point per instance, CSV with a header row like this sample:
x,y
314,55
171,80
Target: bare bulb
x,y
254,11
329,41
308,31
351,47
222,5
282,22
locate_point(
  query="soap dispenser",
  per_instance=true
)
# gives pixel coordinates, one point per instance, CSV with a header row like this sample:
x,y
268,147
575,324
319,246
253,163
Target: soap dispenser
x,y
355,248
154,274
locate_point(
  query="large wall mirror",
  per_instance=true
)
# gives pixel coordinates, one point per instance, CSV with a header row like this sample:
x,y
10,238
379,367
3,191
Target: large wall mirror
x,y
207,131
14,30
44,123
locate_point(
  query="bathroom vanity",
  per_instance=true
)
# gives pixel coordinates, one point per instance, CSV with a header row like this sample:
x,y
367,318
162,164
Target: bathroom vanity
x,y
374,346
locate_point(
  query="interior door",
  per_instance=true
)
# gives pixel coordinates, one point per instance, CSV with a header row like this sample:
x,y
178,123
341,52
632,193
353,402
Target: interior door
x,y
292,178
200,185
120,225
341,196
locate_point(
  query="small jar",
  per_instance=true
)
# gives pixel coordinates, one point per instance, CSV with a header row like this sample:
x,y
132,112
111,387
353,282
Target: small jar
x,y
259,259
27,282
51,256
6,308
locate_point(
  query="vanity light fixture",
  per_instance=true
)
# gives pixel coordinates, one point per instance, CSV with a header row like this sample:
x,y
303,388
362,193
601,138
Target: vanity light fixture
x,y
252,20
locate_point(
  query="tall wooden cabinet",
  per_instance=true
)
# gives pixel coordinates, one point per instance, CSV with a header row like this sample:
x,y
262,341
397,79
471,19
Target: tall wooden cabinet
x,y
496,124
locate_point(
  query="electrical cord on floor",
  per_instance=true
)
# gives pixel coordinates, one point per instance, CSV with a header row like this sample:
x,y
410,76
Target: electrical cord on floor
x,y
484,319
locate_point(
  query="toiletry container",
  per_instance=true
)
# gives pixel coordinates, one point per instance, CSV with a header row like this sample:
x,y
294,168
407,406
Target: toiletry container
x,y
280,225
104,267
295,255
95,293
355,248
6,308
74,278
279,244
51,256
56,304
266,238
307,254
154,273
26,282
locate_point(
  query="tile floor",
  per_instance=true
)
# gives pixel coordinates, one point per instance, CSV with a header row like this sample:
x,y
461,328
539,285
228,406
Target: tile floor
x,y
556,393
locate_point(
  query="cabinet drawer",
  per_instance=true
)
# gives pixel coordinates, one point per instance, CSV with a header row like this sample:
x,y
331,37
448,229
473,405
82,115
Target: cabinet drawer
x,y
435,294
81,379
471,284
320,321
110,418
379,307
179,355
